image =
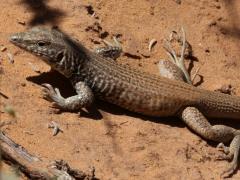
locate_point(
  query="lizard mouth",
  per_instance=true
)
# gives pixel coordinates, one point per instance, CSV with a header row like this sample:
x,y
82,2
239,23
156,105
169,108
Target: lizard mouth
x,y
13,38
16,39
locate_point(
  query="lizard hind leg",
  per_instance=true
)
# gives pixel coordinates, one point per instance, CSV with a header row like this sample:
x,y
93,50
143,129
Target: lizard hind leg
x,y
219,133
169,70
195,120
111,50
177,61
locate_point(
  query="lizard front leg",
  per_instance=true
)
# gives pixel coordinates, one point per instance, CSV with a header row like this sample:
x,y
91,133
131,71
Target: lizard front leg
x,y
84,97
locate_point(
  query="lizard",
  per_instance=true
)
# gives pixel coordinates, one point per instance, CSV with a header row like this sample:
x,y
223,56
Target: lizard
x,y
95,76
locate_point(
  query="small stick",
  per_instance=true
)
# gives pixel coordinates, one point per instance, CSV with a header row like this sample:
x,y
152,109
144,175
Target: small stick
x,y
151,44
36,168
195,74
55,126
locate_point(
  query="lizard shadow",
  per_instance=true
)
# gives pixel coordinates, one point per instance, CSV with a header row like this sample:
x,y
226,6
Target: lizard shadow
x,y
116,110
93,113
42,12
234,16
56,80
193,59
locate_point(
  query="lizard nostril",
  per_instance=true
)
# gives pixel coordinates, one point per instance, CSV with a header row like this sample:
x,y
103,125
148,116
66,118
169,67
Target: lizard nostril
x,y
14,38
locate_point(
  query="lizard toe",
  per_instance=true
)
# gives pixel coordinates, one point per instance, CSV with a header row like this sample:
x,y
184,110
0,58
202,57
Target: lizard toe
x,y
229,171
224,157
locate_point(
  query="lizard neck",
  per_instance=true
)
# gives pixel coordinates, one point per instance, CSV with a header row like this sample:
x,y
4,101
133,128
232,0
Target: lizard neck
x,y
82,68
71,61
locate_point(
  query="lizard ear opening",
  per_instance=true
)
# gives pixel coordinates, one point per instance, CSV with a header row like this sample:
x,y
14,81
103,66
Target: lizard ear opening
x,y
60,56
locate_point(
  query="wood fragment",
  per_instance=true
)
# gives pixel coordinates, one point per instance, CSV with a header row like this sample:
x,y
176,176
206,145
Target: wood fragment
x,y
3,48
3,95
37,168
195,74
22,22
55,126
152,43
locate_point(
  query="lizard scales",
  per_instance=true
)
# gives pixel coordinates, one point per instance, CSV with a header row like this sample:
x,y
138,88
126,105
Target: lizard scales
x,y
93,75
131,89
151,94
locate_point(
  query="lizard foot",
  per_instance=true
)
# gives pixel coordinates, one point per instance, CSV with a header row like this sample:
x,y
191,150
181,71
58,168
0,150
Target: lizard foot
x,y
229,171
169,70
111,50
179,62
220,133
227,155
53,95
231,154
83,98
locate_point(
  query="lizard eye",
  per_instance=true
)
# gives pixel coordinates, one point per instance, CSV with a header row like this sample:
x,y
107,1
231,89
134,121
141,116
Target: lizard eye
x,y
42,43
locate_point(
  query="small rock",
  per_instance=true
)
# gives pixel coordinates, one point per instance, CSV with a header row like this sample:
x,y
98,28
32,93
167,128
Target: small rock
x,y
22,23
10,58
90,10
23,84
207,50
212,23
226,89
3,48
103,35
178,1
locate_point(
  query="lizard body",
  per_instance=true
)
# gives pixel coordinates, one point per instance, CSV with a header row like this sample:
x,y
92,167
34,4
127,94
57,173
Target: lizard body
x,y
93,75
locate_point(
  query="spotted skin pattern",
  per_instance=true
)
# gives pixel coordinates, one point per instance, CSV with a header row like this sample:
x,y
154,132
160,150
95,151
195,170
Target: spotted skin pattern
x,y
94,76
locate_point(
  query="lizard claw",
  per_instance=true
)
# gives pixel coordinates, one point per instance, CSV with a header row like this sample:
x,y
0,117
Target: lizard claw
x,y
223,148
53,95
233,153
55,105
223,157
229,172
47,91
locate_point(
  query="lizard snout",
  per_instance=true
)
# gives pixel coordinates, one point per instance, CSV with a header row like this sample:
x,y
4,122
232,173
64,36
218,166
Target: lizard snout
x,y
14,38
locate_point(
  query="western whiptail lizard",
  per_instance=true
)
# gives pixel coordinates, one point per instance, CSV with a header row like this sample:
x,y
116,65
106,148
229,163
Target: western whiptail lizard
x,y
93,75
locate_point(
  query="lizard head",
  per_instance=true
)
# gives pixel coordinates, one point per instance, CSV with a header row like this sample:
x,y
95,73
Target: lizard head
x,y
56,48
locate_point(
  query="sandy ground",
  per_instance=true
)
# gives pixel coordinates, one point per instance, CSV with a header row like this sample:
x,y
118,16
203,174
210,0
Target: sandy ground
x,y
120,145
